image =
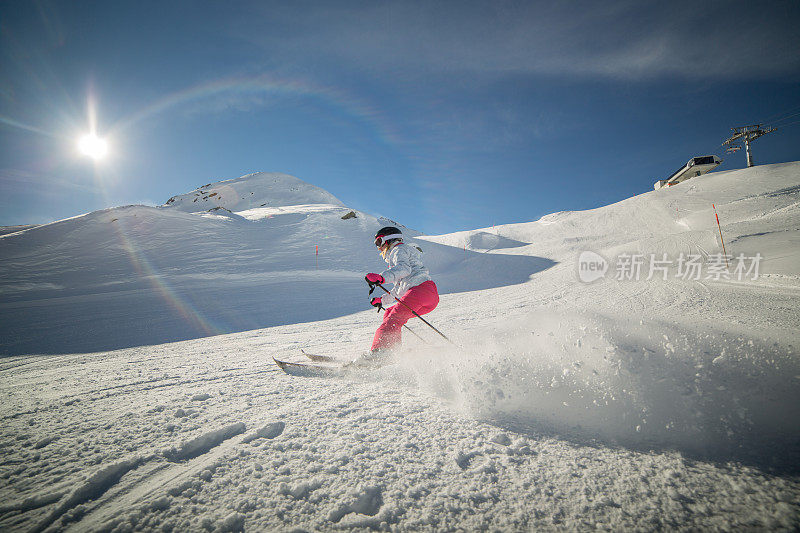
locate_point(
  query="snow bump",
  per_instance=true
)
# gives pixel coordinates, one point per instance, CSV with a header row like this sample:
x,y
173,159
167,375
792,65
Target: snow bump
x,y
270,431
204,443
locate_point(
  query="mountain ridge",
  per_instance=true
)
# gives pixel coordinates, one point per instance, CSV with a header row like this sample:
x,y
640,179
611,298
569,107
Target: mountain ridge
x,y
258,189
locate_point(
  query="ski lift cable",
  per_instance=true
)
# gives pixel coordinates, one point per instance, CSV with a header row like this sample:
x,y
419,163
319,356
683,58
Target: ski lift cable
x,y
784,118
780,116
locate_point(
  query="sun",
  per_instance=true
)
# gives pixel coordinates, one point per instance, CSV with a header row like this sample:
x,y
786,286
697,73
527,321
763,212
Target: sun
x,y
93,146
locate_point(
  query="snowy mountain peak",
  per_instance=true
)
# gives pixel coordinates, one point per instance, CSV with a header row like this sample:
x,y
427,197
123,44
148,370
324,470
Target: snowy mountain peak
x,y
260,189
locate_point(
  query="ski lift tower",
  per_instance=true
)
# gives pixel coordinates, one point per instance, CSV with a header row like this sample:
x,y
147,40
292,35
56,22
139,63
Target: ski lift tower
x,y
749,134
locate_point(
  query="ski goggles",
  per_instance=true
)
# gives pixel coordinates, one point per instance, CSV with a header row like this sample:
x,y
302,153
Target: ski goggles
x,y
381,239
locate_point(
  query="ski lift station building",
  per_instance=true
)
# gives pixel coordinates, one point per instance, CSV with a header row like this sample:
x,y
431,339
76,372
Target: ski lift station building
x,y
696,166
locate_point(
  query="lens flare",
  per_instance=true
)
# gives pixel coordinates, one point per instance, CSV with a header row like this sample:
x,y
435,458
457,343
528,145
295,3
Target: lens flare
x,y
93,146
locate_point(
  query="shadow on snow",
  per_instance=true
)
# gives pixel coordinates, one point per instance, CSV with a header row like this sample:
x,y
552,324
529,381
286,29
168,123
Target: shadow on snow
x,y
156,309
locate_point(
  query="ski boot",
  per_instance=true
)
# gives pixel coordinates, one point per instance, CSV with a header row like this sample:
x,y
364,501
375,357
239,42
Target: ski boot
x,y
371,359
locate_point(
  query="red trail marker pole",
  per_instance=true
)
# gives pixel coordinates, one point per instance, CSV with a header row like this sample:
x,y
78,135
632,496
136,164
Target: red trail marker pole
x,y
720,237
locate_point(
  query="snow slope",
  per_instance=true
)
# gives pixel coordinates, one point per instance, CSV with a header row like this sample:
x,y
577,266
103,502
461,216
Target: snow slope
x,y
137,275
615,405
758,210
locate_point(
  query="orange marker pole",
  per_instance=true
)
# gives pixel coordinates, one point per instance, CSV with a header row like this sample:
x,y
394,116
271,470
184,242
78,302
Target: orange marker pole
x,y
720,237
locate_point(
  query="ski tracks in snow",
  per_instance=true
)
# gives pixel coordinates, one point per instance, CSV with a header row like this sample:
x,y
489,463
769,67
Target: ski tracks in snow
x,y
129,462
162,479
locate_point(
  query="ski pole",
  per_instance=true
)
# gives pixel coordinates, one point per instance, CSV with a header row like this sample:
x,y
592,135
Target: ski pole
x,y
415,334
382,308
373,285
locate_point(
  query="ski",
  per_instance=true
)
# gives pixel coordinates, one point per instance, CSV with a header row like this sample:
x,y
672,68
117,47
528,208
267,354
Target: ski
x,y
327,366
319,358
309,370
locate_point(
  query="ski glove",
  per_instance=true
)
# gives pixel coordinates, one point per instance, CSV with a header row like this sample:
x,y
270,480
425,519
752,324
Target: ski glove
x,y
374,278
376,302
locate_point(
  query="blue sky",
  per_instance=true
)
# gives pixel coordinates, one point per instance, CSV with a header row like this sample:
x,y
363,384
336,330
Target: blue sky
x,y
441,115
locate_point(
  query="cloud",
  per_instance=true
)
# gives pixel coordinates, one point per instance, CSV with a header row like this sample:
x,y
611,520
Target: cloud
x,y
623,40
14,180
231,101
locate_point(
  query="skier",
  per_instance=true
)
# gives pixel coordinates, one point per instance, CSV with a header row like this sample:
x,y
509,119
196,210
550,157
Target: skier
x,y
413,287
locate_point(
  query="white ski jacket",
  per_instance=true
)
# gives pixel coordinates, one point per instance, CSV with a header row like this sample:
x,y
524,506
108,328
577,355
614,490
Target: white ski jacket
x,y
406,269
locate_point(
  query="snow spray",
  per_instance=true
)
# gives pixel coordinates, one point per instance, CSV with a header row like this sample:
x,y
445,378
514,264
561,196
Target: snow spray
x,y
704,390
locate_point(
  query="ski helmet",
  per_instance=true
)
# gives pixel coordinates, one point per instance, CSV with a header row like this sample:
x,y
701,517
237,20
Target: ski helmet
x,y
387,234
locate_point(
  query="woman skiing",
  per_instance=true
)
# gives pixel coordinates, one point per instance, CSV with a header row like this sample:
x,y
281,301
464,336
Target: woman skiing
x,y
412,286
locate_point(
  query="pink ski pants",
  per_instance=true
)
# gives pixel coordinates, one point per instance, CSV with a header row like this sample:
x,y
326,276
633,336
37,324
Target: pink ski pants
x,y
422,298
